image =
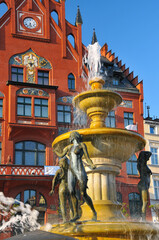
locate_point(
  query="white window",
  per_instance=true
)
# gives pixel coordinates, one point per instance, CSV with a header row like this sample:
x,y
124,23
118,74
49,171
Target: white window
x,y
152,129
156,189
154,156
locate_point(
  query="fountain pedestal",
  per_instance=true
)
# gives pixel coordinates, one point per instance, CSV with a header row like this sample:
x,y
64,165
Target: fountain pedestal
x,y
102,190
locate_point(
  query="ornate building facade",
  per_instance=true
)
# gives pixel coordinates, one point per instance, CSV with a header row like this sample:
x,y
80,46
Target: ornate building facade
x,y
40,72
151,128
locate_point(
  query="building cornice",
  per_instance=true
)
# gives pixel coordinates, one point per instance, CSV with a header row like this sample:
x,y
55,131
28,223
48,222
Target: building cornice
x,y
31,85
124,90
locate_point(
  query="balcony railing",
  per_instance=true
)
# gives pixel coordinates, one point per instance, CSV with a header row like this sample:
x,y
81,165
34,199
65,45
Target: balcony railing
x,y
21,170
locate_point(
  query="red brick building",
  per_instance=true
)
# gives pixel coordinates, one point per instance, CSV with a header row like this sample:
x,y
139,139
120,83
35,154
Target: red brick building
x,y
40,70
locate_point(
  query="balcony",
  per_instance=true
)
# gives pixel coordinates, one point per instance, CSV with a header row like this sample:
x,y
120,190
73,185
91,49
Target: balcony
x,y
21,170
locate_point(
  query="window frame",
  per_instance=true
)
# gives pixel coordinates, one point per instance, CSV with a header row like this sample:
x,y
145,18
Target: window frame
x,y
134,202
23,152
153,160
71,82
111,120
41,107
154,129
33,116
17,74
115,82
24,104
64,112
43,71
129,119
131,162
1,107
156,188
0,152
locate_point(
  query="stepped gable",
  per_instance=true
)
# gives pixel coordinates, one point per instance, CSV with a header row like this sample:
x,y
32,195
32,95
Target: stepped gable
x,y
118,70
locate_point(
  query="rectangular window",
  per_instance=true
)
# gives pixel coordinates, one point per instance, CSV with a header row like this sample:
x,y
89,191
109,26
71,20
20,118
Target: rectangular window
x,y
131,166
126,104
154,156
1,108
24,106
156,189
43,77
17,74
152,129
41,107
115,82
64,114
0,129
0,151
128,118
110,120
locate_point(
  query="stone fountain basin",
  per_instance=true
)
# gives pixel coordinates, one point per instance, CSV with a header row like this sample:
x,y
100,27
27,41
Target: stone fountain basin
x,y
114,144
97,100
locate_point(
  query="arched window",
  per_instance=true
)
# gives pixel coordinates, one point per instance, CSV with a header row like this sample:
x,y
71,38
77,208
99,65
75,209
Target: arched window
x,y
55,16
119,197
35,199
30,153
3,9
131,165
71,39
30,197
134,205
71,81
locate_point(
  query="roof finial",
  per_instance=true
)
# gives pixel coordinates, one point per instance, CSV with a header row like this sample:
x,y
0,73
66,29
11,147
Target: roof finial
x,y
94,38
78,17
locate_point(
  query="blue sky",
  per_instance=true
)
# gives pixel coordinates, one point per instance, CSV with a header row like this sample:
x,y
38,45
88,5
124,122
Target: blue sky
x,y
131,30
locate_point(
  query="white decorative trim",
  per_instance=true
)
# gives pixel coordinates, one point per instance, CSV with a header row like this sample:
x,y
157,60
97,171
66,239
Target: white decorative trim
x,y
55,30
39,16
38,7
4,23
71,53
20,5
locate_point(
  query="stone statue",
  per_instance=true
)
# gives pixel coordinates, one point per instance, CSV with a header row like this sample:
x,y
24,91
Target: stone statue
x,y
144,183
61,178
77,173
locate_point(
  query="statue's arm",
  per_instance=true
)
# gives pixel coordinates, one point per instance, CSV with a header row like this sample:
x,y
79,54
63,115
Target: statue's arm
x,y
89,161
59,154
55,181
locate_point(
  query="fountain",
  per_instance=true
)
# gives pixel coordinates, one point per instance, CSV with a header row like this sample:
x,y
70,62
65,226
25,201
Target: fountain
x,y
108,148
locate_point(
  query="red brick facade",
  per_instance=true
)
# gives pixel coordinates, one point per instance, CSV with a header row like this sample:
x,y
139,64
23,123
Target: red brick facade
x,y
38,45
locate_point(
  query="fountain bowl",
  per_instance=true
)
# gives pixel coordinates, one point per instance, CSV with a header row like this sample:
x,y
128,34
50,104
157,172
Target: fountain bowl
x,y
117,145
97,103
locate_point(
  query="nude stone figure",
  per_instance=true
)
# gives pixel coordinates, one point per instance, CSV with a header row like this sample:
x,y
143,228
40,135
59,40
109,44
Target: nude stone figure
x,y
77,173
144,183
61,178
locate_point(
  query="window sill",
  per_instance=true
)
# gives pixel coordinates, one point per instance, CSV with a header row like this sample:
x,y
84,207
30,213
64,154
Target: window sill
x,y
133,175
72,90
153,165
32,118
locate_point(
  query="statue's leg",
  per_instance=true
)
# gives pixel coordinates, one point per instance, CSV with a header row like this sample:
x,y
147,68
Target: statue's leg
x,y
144,194
62,197
74,201
87,199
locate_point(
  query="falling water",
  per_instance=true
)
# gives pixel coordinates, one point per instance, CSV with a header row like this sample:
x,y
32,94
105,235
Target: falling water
x,y
17,216
92,60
